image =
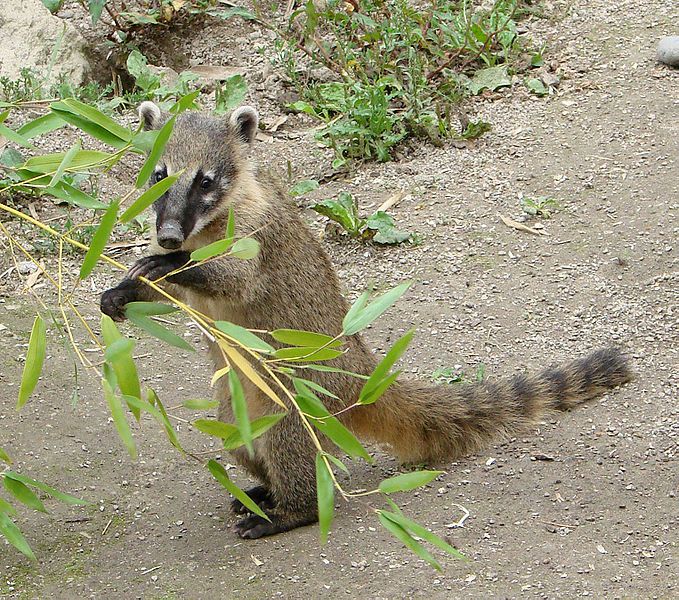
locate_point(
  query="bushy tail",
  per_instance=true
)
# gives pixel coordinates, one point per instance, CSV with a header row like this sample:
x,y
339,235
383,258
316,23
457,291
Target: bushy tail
x,y
434,423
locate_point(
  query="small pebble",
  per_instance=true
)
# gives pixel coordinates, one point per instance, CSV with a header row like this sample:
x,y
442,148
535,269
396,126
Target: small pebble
x,y
668,50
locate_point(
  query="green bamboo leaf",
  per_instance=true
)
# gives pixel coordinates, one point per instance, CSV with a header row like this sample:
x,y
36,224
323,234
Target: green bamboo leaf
x,y
327,369
68,193
200,404
373,310
121,362
220,474
337,462
230,224
109,331
83,159
13,136
118,349
96,116
5,457
54,493
240,411
185,102
14,537
325,493
318,388
213,249
6,507
119,420
258,426
244,336
401,534
23,494
356,308
149,197
423,533
215,428
155,154
159,414
407,481
368,394
149,309
245,248
157,330
95,7
301,353
309,339
69,115
99,239
65,163
382,387
49,122
35,357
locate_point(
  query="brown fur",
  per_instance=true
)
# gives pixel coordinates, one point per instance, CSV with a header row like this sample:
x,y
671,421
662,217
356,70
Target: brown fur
x,y
291,284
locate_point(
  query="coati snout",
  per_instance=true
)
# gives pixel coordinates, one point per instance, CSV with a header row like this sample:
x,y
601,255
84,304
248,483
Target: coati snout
x,y
209,152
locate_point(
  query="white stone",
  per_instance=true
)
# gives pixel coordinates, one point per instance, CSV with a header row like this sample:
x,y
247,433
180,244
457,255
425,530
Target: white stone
x,y
28,35
668,50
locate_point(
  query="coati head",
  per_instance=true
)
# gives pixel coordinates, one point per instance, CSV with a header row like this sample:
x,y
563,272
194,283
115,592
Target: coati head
x,y
212,153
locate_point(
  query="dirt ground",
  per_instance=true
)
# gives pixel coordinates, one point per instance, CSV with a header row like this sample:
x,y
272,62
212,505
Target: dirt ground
x,y
599,520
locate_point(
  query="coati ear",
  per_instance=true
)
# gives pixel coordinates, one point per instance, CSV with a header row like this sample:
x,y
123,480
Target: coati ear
x,y
245,120
150,115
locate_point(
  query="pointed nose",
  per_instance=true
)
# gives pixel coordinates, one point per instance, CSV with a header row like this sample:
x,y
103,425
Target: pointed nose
x,y
170,235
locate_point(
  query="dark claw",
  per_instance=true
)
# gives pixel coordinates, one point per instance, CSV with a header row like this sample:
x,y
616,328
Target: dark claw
x,y
260,495
157,266
254,526
113,301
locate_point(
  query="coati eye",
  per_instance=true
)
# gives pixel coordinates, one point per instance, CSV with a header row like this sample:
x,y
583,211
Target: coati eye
x,y
159,175
207,183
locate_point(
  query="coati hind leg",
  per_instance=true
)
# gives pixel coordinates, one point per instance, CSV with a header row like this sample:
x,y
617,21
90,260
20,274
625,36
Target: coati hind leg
x,y
289,460
259,493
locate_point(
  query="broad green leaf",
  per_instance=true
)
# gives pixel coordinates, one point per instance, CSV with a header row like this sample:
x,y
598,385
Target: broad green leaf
x,y
99,239
119,420
423,533
54,493
240,411
35,357
220,474
185,103
69,115
491,79
23,494
259,426
200,404
344,211
149,196
369,313
14,537
309,339
148,309
52,5
385,228
65,163
99,118
5,457
402,535
303,187
48,163
381,372
213,249
41,125
153,158
68,193
408,481
244,336
230,94
215,428
95,7
537,86
10,157
13,136
325,493
6,507
157,330
300,353
245,248
236,11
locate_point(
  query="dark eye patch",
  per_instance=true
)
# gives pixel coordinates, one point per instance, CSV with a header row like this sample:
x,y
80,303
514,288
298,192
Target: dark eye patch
x,y
159,174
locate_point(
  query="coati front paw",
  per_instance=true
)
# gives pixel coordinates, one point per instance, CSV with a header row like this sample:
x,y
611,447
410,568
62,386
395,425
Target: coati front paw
x,y
113,301
158,265
254,526
260,495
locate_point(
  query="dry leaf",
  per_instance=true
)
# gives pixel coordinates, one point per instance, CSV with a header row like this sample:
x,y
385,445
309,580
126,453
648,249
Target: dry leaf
x,y
520,226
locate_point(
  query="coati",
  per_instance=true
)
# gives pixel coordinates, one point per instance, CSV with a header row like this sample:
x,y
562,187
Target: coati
x,y
292,284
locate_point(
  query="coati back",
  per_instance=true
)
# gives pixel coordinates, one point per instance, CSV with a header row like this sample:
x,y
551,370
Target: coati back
x,y
291,284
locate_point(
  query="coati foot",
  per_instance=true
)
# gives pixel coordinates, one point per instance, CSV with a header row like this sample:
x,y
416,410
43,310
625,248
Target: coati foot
x,y
158,265
113,301
260,495
254,526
